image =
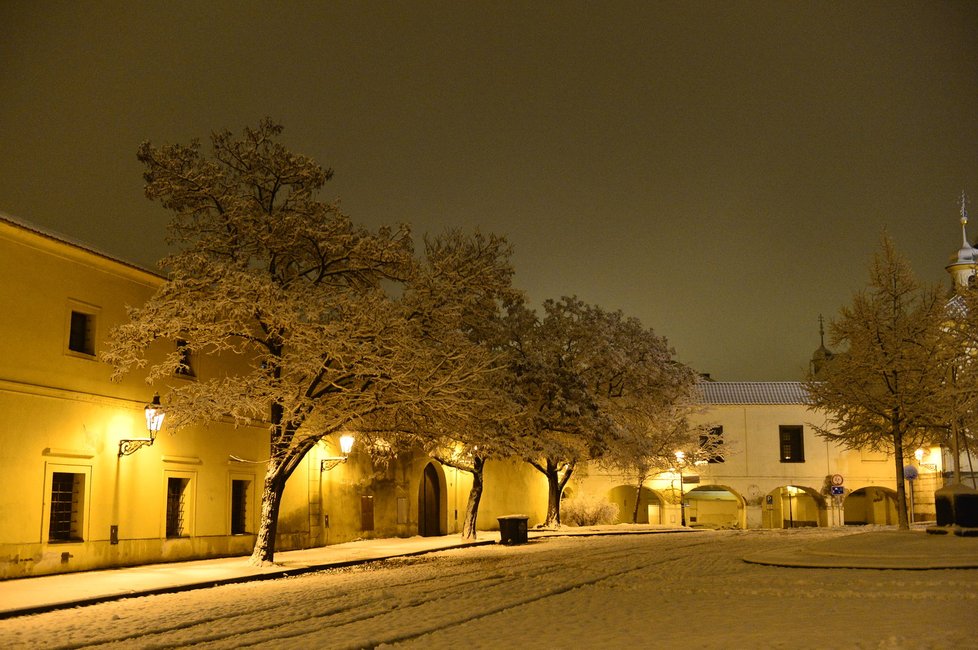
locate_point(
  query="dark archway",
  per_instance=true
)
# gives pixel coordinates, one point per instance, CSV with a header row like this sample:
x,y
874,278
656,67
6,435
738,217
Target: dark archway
x,y
429,503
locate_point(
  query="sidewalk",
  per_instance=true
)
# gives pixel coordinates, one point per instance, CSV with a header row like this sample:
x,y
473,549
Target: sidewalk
x,y
877,549
44,593
20,596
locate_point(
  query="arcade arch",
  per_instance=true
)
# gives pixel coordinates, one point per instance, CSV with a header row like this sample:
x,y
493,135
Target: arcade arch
x,y
715,506
650,505
870,505
794,506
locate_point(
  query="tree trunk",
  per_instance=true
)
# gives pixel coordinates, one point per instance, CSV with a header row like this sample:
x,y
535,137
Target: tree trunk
x,y
638,498
271,500
901,499
469,523
556,482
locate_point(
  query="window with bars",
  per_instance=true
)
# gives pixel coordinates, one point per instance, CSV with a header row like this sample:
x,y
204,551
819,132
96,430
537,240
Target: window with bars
x,y
67,494
176,507
792,443
239,506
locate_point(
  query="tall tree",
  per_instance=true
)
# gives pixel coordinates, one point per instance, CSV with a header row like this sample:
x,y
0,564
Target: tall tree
x,y
333,320
575,370
886,390
474,271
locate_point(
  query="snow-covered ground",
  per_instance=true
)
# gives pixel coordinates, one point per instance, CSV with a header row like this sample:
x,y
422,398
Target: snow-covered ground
x,y
690,590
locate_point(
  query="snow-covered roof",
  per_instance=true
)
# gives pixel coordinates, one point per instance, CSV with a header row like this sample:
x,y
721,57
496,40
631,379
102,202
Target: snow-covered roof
x,y
64,239
753,392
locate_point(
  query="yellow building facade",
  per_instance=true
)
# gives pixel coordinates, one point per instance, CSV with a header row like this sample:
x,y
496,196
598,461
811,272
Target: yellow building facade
x,y
76,496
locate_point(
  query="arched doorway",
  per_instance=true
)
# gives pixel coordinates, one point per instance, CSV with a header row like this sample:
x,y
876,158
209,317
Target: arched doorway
x,y
794,506
429,502
714,506
649,505
870,505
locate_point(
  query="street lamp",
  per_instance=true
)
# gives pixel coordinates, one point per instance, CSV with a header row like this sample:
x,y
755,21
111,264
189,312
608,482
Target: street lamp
x,y
154,422
680,455
346,445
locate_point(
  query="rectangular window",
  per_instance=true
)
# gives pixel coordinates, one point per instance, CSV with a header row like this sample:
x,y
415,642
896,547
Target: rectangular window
x,y
239,506
711,444
81,332
792,442
177,507
186,367
67,507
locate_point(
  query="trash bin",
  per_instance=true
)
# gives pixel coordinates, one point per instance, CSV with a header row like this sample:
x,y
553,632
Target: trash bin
x,y
512,529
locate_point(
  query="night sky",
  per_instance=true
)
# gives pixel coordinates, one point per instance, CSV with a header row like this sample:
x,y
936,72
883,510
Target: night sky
x,y
721,170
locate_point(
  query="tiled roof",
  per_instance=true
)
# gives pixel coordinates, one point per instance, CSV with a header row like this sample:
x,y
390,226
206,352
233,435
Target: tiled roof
x,y
753,392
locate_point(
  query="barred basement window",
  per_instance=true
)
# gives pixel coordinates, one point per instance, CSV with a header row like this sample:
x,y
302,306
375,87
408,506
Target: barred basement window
x,y
67,495
176,507
239,506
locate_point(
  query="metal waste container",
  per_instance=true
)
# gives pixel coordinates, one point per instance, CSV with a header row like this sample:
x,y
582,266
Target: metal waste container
x,y
512,529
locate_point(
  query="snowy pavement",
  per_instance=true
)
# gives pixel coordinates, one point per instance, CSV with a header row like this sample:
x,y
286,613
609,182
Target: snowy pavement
x,y
565,591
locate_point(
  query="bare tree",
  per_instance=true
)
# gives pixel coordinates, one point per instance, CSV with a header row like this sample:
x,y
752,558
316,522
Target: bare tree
x,y
336,323
887,389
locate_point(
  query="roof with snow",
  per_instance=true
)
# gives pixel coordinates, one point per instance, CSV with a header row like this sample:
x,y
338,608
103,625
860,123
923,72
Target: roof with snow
x,y
753,392
64,239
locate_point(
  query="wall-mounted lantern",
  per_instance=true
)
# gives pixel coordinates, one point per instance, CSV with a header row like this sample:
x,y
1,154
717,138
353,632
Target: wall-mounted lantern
x,y
346,445
154,422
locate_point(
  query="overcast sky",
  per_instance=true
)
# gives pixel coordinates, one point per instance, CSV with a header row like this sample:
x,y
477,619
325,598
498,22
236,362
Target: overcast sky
x,y
721,170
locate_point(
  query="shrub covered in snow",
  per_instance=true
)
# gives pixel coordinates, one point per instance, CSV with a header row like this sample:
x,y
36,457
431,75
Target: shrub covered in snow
x,y
586,510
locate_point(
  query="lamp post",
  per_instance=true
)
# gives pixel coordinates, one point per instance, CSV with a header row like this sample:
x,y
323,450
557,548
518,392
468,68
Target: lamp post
x,y
680,455
154,414
346,446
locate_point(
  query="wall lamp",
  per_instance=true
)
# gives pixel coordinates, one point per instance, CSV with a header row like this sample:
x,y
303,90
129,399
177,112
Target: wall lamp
x,y
919,455
346,445
154,422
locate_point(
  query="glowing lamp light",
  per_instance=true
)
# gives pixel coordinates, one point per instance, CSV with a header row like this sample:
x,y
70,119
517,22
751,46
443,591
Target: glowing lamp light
x,y
346,446
154,422
154,416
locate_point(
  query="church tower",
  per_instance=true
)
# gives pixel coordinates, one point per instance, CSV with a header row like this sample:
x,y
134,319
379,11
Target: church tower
x,y
963,264
822,356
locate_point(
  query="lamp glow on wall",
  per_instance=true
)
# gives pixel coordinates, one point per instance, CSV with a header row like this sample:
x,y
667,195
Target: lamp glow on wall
x,y
154,422
919,455
346,446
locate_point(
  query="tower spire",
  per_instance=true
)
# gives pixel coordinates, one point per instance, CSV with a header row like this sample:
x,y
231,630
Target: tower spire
x,y
963,264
